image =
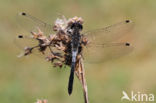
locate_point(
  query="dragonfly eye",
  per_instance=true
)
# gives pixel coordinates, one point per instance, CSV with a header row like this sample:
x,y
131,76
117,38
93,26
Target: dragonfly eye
x,y
76,25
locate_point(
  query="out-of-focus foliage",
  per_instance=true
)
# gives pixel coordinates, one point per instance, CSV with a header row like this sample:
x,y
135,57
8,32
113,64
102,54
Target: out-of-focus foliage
x,y
26,79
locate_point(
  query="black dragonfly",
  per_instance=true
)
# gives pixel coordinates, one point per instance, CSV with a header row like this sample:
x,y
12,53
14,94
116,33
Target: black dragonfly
x,y
95,46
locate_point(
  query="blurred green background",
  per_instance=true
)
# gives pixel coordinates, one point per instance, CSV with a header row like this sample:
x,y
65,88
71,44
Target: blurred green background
x,y
26,79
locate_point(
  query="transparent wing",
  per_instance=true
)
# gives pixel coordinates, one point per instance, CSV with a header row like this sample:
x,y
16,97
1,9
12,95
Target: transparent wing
x,y
23,42
30,46
27,44
30,23
110,33
105,52
103,43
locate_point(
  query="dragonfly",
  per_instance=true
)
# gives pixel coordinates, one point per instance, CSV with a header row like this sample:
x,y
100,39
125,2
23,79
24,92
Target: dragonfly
x,y
65,42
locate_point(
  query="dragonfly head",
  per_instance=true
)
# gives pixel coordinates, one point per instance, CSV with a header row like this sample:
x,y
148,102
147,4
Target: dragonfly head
x,y
76,26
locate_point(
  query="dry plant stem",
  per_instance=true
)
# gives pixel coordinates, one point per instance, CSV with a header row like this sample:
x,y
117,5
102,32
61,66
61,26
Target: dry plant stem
x,y
80,73
84,83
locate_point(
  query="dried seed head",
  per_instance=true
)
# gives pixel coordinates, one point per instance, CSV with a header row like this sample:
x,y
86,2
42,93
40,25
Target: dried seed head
x,y
27,51
58,64
42,101
60,24
85,40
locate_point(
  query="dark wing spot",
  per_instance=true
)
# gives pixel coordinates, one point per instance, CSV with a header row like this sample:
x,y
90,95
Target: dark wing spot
x,y
127,44
20,36
23,13
127,21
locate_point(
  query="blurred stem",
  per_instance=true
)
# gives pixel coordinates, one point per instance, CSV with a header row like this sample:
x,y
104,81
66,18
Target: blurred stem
x,y
80,73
